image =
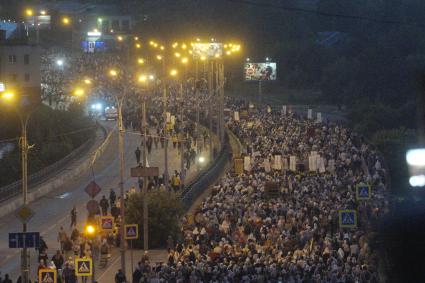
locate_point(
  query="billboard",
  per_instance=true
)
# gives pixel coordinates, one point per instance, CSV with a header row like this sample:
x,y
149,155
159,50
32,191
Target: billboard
x,y
207,50
260,71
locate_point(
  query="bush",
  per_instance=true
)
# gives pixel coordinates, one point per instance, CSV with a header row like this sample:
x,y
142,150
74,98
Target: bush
x,y
165,210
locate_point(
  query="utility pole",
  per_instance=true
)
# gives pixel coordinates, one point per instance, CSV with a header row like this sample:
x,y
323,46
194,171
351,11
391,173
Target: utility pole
x,y
182,139
24,163
121,184
145,182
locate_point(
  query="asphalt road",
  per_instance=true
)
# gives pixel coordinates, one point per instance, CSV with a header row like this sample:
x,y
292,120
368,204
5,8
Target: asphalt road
x,y
53,210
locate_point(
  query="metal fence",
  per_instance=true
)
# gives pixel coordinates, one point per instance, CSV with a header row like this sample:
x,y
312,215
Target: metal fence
x,y
14,189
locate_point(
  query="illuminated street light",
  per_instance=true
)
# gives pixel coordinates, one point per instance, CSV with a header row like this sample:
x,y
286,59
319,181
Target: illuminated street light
x,y
87,81
184,46
59,62
143,78
29,12
217,55
99,20
162,47
201,159
79,92
8,95
66,20
267,59
158,57
177,54
203,58
151,77
173,72
90,229
185,60
113,73
120,38
42,12
138,45
141,61
136,38
248,59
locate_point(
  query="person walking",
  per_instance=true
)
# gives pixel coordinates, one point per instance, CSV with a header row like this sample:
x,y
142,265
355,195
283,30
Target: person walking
x,y
104,205
112,197
7,279
137,152
58,259
73,217
62,237
120,277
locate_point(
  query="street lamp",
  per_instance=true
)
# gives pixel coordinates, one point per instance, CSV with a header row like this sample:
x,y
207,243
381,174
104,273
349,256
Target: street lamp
x,y
416,162
141,61
173,72
113,73
29,12
59,62
79,92
66,21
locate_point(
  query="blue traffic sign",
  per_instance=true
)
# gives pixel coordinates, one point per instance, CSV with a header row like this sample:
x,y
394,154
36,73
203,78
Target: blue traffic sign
x,y
363,192
347,218
24,240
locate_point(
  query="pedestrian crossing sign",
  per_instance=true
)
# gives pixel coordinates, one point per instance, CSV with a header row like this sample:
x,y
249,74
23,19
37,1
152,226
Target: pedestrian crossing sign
x,y
47,276
107,223
363,192
83,267
347,218
131,231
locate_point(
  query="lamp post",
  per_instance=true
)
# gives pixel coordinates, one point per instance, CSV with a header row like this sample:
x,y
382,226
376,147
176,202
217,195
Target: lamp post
x,y
23,118
90,233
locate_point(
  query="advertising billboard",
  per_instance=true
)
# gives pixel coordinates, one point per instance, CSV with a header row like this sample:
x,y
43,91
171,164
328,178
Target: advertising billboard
x,y
260,71
207,50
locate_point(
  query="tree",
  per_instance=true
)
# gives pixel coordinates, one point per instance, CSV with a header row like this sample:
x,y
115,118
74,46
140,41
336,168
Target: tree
x,y
165,210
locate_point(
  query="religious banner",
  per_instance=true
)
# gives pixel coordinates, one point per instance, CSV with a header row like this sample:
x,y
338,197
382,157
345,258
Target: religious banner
x,y
236,116
247,163
293,163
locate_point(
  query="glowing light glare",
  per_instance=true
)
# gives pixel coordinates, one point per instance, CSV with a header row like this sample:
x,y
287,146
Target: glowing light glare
x,y
29,12
217,55
140,61
151,77
138,45
175,44
417,181
59,62
120,38
203,58
90,229
177,54
184,60
173,73
228,52
248,59
267,59
198,39
8,95
136,38
201,159
159,57
162,47
416,157
87,81
113,73
99,20
65,20
79,92
184,46
151,43
42,12
142,78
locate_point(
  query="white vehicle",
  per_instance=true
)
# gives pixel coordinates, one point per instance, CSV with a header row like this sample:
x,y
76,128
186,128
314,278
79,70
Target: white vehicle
x,y
111,113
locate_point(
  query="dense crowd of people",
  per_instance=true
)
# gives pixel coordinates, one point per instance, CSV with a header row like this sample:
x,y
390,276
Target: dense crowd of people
x,y
239,234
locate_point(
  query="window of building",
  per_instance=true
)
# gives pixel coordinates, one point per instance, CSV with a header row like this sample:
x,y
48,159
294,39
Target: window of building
x,y
26,59
27,77
12,59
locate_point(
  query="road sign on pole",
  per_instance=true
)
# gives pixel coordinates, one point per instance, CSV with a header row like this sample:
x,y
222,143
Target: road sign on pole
x,y
144,171
24,213
47,276
83,267
92,189
363,192
347,218
107,223
24,240
131,231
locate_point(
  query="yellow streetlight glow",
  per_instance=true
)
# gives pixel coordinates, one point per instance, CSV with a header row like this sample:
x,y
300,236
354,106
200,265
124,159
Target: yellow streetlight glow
x,y
177,54
141,61
175,44
228,52
198,39
29,12
138,45
120,38
203,58
185,60
136,38
184,46
190,51
173,72
151,43
225,46
8,95
155,45
162,47
159,57
66,20
79,92
142,78
151,77
217,55
87,81
113,73
90,229
42,12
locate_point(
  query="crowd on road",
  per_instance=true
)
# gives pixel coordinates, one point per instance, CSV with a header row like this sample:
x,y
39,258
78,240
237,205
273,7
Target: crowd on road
x,y
240,234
